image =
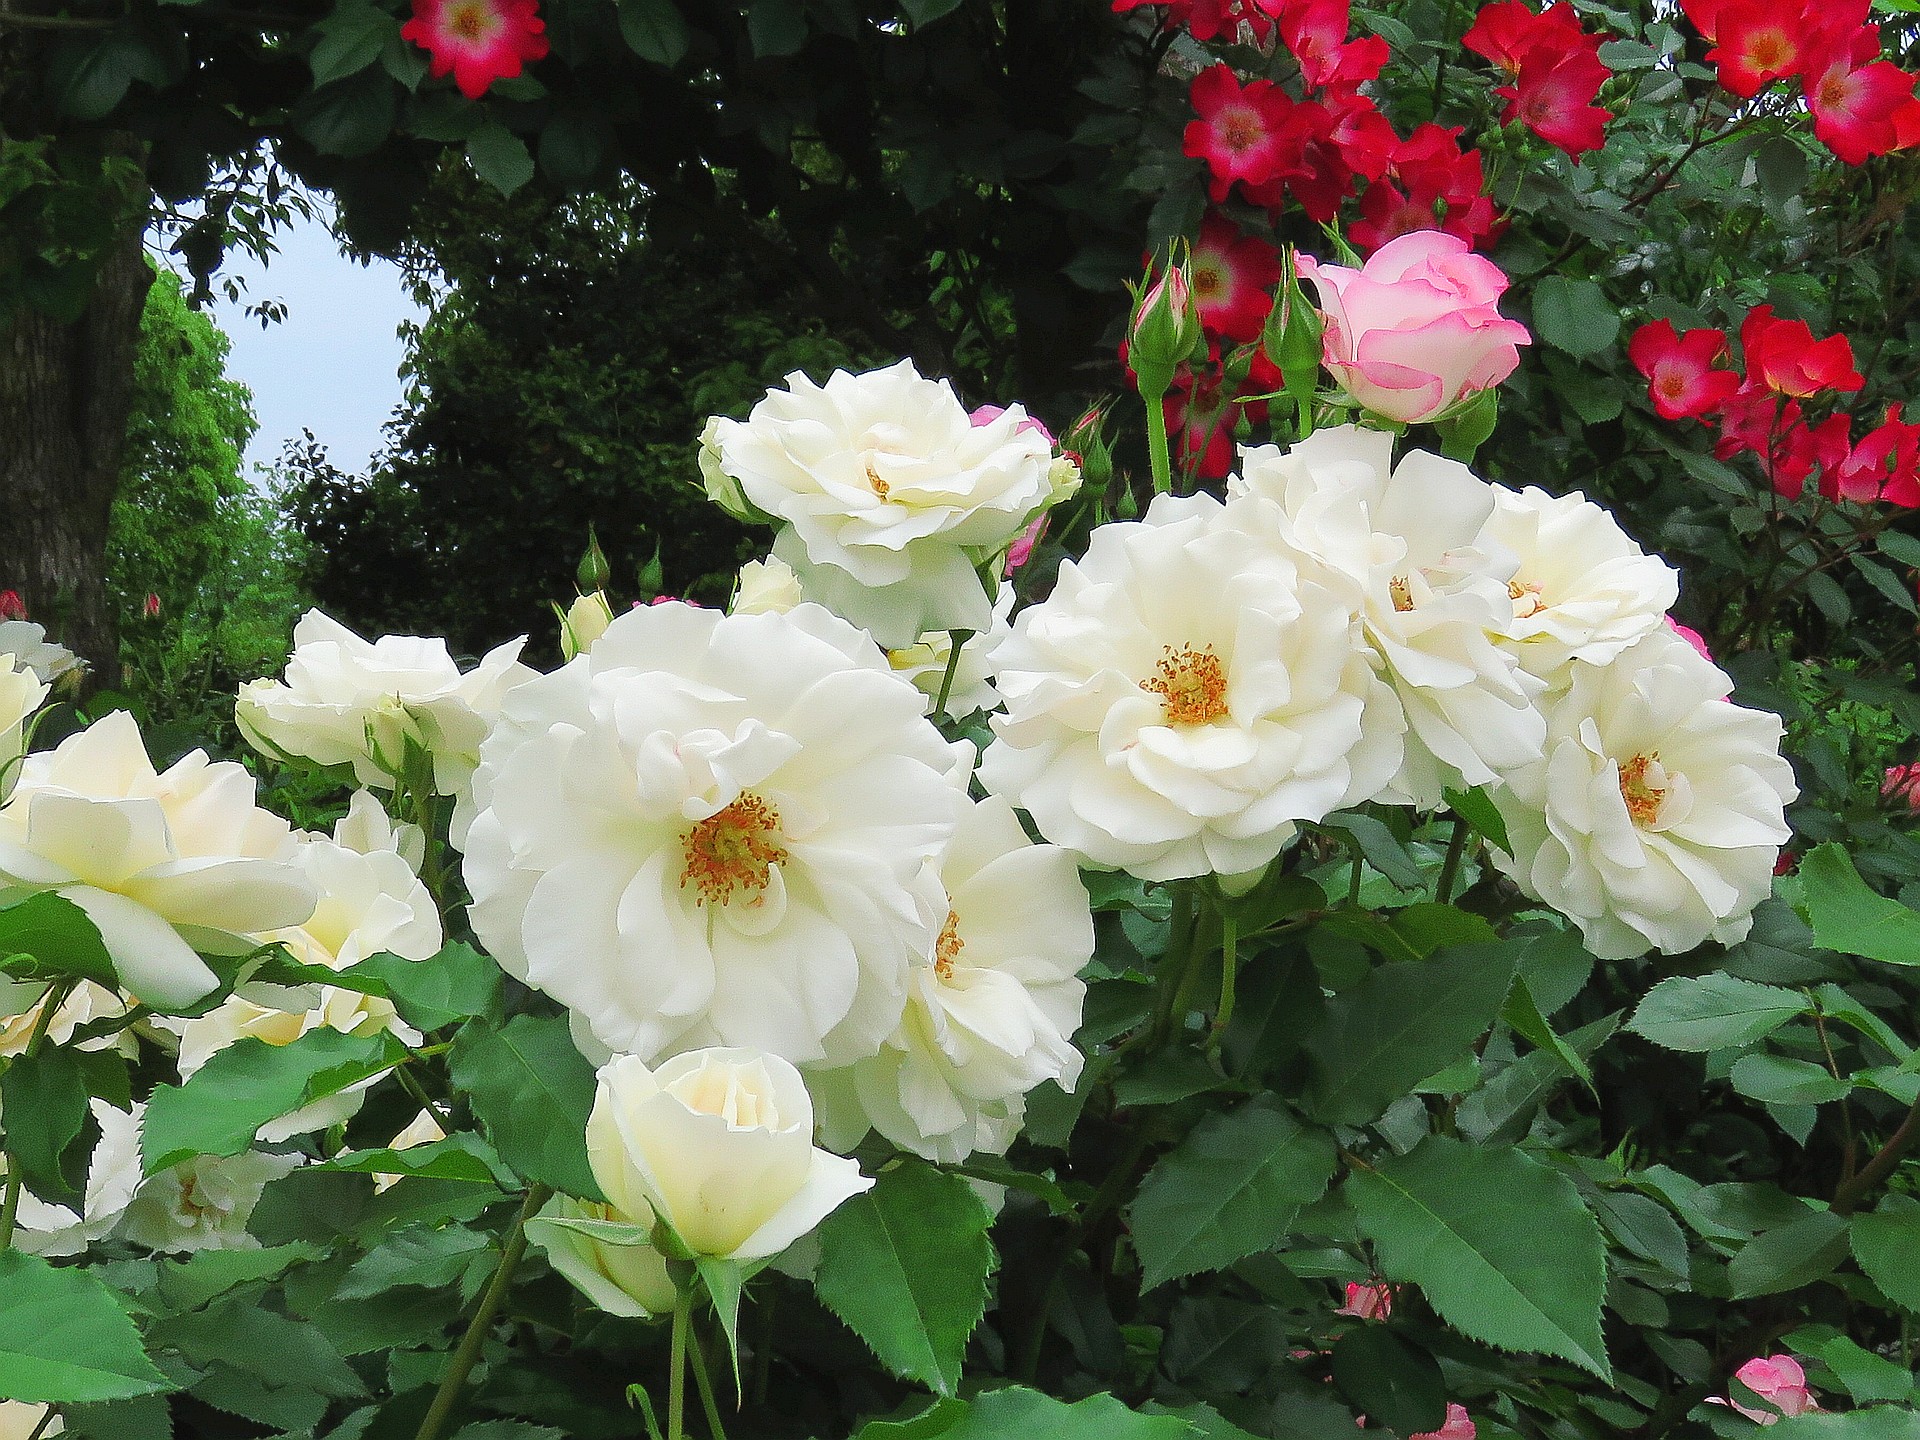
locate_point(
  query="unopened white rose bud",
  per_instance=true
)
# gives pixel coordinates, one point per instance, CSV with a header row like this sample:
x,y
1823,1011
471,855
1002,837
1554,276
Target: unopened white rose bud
x,y
722,489
766,587
630,1281
718,1144
586,621
1063,480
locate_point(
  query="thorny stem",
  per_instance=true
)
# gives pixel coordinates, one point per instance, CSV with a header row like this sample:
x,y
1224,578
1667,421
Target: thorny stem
x,y
1450,867
55,997
1229,973
677,1385
1157,451
1846,1106
705,1384
956,642
1851,1192
448,1395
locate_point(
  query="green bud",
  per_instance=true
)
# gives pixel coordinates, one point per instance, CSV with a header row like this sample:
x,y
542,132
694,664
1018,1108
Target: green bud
x,y
593,572
1165,332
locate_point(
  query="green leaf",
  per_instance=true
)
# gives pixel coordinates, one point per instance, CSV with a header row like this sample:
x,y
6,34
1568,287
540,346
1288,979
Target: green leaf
x,y
206,1276
457,984
1523,1015
1850,918
1017,1413
1500,1244
414,1255
500,157
532,1092
1400,1025
1880,1422
64,1338
906,1266
1713,1012
1478,810
925,12
350,116
281,1353
48,1130
724,1280
508,1430
1646,1227
351,38
1869,1378
654,30
1887,1245
776,27
1230,1189
1789,1256
1574,315
222,1106
1390,1381
463,1156
48,937
1779,1080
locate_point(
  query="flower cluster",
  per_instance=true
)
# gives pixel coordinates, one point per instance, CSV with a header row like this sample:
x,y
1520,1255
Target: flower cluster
x,y
1760,412
1552,67
1861,105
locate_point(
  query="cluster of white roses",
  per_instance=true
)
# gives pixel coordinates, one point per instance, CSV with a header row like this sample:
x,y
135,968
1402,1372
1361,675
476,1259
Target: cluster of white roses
x,y
738,851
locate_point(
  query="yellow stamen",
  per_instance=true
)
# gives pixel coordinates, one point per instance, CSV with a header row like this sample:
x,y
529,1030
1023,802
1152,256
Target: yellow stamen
x,y
880,486
732,850
1402,593
1643,798
1192,682
947,948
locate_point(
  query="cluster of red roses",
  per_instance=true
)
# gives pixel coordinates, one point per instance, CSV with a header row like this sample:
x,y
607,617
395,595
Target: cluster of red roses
x,y
1759,411
1553,69
1861,105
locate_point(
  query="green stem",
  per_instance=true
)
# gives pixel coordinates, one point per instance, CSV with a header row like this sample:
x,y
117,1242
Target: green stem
x,y
1229,973
448,1396
55,997
1158,452
705,1384
1450,867
956,642
677,1384
1168,978
420,1097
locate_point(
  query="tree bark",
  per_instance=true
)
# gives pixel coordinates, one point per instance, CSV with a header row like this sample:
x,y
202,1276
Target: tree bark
x,y
64,395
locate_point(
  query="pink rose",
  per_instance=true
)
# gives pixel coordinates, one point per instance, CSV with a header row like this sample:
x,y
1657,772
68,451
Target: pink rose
x,y
1021,550
12,607
987,414
1692,637
1418,328
1902,783
1459,1426
1367,1302
1778,1380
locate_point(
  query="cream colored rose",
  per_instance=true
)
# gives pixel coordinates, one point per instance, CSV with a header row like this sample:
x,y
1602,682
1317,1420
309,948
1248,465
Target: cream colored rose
x,y
163,863
1656,816
584,622
890,495
766,586
348,701
21,1421
27,643
113,1175
203,1203
719,1145
721,487
972,691
21,693
625,1280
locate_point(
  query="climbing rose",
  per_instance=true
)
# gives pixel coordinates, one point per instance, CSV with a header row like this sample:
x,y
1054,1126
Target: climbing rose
x,y
1239,132
1367,1302
1778,1380
480,41
1681,379
1902,785
1553,68
1854,96
1784,356
1233,276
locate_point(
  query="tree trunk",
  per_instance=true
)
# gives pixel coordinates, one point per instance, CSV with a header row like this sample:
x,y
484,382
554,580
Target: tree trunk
x,y
64,394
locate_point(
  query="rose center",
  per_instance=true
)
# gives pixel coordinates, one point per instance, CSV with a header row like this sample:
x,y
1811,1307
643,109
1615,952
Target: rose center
x,y
1643,787
1402,593
1527,592
1241,130
468,21
734,849
946,950
1769,50
1192,682
880,487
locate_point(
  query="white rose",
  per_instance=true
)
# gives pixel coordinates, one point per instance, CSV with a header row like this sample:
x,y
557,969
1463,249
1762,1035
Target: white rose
x,y
1436,605
1189,691
86,1002
368,828
626,1280
925,664
203,1203
423,1129
584,622
21,1421
27,643
715,828
347,701
162,863
113,1174
993,1016
766,587
1656,816
891,496
369,904
719,1145
720,487
21,693
1583,590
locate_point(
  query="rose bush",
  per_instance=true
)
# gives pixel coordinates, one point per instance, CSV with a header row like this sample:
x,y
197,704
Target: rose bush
x,y
1131,955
